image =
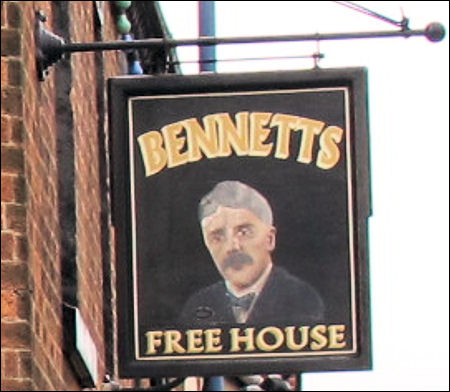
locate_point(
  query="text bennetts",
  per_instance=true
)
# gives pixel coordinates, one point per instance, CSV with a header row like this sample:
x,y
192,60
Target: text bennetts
x,y
253,134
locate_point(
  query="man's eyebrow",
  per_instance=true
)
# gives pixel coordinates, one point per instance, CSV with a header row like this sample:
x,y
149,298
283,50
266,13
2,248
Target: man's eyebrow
x,y
245,225
217,231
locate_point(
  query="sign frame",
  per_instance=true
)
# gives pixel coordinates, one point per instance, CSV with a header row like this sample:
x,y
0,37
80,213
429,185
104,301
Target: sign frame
x,y
122,90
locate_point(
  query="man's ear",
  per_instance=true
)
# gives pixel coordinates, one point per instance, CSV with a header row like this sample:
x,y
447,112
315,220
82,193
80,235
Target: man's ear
x,y
271,238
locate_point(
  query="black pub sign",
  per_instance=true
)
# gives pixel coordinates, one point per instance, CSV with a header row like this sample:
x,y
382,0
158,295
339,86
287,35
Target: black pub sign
x,y
240,206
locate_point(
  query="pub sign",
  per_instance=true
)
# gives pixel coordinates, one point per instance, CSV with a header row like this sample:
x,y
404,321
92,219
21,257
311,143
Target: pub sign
x,y
240,207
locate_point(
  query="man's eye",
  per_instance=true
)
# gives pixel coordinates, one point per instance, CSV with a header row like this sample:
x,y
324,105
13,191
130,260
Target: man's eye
x,y
216,237
245,231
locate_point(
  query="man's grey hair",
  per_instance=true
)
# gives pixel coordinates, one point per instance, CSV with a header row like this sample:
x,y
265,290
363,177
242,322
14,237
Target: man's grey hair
x,y
235,194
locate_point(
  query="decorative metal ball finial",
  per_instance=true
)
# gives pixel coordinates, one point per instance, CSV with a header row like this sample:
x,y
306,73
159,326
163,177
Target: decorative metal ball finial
x,y
435,32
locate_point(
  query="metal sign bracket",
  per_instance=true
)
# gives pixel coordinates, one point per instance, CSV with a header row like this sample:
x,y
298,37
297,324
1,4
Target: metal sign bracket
x,y
51,47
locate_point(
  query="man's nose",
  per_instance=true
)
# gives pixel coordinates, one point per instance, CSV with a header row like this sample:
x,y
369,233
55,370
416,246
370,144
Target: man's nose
x,y
234,244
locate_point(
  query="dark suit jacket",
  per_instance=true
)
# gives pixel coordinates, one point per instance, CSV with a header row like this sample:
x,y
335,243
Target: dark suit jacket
x,y
285,299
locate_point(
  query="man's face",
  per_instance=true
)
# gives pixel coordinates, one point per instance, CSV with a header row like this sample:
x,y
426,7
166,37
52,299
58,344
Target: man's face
x,y
240,244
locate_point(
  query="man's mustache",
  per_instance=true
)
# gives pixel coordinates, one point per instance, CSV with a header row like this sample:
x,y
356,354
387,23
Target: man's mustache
x,y
237,260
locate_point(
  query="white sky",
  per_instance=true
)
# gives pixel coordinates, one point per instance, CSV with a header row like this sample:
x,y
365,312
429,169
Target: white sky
x,y
409,128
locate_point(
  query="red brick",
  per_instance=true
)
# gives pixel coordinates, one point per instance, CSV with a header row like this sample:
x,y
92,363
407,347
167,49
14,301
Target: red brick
x,y
4,72
7,188
16,218
15,304
15,334
17,385
3,21
14,276
7,245
25,364
15,73
14,14
11,369
12,101
13,189
17,130
12,159
11,43
40,380
6,129
3,216
21,248
20,190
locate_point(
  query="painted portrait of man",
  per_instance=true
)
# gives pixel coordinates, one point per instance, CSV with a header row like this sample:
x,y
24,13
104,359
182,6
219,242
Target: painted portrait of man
x,y
239,233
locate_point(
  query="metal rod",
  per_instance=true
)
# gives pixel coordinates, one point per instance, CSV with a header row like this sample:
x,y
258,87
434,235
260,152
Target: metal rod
x,y
207,28
199,61
50,47
206,41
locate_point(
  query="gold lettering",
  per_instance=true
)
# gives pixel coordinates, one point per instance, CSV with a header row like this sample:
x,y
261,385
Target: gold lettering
x,y
231,135
329,153
237,339
201,140
310,128
247,134
337,336
259,134
174,144
319,340
261,339
194,341
153,153
290,338
172,342
285,124
153,341
212,341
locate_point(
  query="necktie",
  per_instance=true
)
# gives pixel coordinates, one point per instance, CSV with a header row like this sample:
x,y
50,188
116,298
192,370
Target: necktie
x,y
243,302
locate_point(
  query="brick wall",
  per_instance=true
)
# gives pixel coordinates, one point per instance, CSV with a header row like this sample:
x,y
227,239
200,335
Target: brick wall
x,y
87,178
15,282
33,227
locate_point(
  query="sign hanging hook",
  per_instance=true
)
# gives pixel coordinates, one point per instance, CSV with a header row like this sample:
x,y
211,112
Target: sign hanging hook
x,y
317,55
